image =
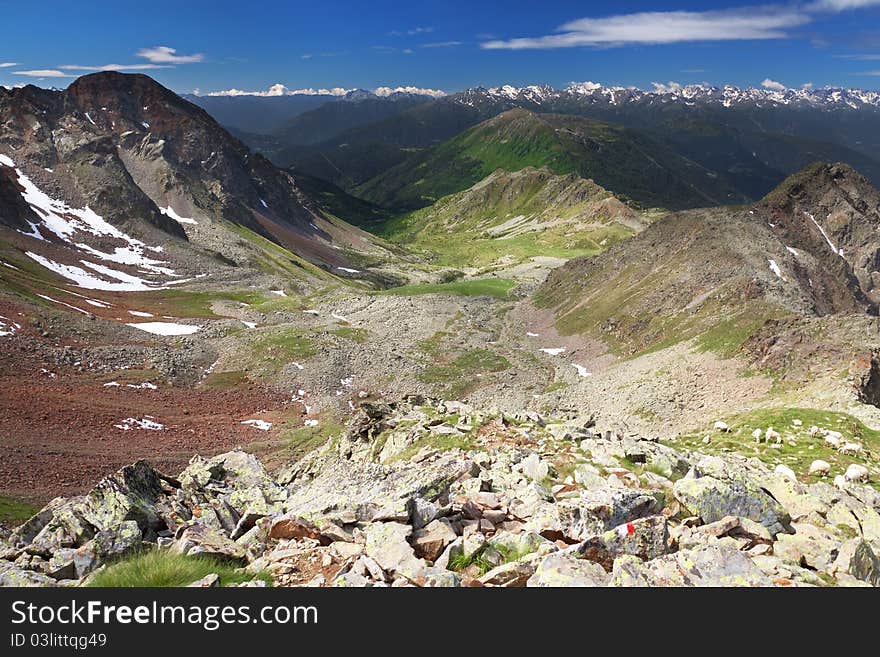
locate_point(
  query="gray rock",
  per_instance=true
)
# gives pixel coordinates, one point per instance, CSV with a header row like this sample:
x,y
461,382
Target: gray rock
x,y
386,542
201,539
856,558
646,538
207,582
508,575
12,575
712,499
560,571
702,566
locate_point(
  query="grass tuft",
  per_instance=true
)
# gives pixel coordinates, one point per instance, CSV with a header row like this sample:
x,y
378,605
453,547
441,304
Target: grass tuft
x,y
161,568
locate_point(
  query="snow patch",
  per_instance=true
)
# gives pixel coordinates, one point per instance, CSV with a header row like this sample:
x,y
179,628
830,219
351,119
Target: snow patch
x,y
280,293
350,271
250,325
775,268
169,212
553,351
311,423
533,335
139,313
262,425
339,318
147,422
825,235
582,371
311,312
165,328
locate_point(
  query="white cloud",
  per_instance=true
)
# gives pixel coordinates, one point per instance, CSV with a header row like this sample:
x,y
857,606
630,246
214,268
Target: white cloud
x,y
442,44
657,27
773,84
863,58
7,64
306,56
387,91
669,87
840,5
44,73
871,73
807,86
407,51
114,67
166,55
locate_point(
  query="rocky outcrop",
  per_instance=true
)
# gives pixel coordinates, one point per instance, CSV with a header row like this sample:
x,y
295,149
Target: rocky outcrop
x,y
472,516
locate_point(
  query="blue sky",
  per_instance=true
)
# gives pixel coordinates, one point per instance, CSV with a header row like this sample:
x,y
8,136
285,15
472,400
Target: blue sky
x,y
449,45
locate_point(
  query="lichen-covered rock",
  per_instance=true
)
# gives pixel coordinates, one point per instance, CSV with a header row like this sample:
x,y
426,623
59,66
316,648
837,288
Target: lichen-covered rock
x,y
12,575
509,575
645,538
712,499
856,558
701,566
200,539
374,492
562,571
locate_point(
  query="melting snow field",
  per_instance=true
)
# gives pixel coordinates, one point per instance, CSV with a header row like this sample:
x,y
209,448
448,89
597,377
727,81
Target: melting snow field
x,y
165,328
169,212
65,222
554,351
350,271
775,268
262,425
147,422
582,371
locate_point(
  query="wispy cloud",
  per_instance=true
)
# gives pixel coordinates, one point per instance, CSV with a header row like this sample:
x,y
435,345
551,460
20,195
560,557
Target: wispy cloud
x,y
693,70
44,73
413,31
306,56
114,67
773,85
390,50
774,21
840,5
442,44
863,58
870,73
166,55
7,64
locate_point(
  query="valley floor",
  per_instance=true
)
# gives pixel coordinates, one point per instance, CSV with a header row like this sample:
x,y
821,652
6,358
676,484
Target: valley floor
x,y
279,375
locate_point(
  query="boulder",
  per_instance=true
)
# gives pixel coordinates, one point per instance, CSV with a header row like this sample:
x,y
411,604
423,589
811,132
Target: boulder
x,y
562,571
508,575
710,566
646,538
386,542
856,558
712,499
200,539
430,541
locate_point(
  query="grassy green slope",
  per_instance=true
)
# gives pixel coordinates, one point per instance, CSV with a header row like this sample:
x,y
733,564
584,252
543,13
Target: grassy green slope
x,y
518,215
621,160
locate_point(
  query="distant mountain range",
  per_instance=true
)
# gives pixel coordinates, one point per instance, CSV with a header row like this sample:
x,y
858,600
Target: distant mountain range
x,y
748,140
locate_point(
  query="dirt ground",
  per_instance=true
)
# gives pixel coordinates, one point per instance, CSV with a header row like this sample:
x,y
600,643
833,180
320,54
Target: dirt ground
x,y
58,433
